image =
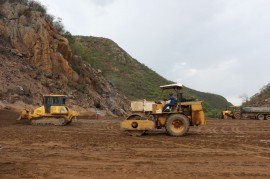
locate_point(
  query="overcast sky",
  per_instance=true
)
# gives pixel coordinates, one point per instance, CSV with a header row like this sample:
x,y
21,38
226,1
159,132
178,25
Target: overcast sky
x,y
216,46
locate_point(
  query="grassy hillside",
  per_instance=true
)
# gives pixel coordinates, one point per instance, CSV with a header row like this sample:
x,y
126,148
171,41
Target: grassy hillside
x,y
134,79
260,99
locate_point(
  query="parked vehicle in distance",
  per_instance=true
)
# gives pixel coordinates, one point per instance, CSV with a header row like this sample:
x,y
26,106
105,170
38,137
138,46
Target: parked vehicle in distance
x,y
237,112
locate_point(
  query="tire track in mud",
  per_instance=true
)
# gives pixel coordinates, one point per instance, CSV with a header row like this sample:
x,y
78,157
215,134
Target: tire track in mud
x,y
112,128
212,130
237,130
96,126
219,130
191,148
220,149
239,136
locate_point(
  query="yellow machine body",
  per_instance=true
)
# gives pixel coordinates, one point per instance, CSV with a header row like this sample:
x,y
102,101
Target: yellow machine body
x,y
233,112
176,121
138,125
192,109
53,111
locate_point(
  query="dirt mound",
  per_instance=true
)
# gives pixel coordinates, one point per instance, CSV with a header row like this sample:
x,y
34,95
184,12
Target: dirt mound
x,y
8,116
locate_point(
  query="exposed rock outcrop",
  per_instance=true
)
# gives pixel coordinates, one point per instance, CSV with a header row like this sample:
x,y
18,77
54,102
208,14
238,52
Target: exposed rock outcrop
x,y
36,59
35,38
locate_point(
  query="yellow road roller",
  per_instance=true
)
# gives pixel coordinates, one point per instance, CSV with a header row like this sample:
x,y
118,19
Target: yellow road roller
x,y
175,117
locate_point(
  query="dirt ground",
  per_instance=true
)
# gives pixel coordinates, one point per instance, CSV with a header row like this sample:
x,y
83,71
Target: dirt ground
x,y
92,148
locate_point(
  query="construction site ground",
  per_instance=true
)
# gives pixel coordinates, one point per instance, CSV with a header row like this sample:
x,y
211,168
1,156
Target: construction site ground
x,y
92,148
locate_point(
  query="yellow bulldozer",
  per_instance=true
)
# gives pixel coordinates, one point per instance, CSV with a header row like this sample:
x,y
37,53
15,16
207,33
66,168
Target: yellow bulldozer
x,y
53,112
176,119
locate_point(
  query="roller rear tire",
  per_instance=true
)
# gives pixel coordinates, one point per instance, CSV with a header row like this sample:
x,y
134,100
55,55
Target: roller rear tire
x,y
177,125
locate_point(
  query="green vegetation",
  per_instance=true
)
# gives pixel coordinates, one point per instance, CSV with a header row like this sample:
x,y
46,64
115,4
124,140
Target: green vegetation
x,y
132,78
125,73
36,6
33,5
260,99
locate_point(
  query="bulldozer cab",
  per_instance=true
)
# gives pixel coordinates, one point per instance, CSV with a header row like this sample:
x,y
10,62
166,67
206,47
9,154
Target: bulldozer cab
x,y
53,100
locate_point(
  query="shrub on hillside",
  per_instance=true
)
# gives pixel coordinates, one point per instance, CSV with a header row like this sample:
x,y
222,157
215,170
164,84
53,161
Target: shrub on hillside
x,y
70,37
58,25
260,98
49,18
37,6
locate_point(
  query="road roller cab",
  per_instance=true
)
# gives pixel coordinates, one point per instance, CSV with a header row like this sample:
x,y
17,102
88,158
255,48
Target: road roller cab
x,y
150,115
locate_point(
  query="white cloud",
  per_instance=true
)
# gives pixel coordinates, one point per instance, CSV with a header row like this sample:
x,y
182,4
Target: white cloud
x,y
234,100
192,72
102,2
216,78
217,46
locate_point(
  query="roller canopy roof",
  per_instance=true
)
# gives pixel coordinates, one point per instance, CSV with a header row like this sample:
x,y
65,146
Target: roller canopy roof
x,y
172,86
55,95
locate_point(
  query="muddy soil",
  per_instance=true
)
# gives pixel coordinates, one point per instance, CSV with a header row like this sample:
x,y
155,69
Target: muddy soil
x,y
92,148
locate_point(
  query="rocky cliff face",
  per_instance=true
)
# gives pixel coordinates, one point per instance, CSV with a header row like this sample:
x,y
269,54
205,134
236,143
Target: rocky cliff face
x,y
35,59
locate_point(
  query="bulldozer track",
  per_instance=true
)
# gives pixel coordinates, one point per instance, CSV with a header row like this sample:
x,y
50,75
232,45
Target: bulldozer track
x,y
49,121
